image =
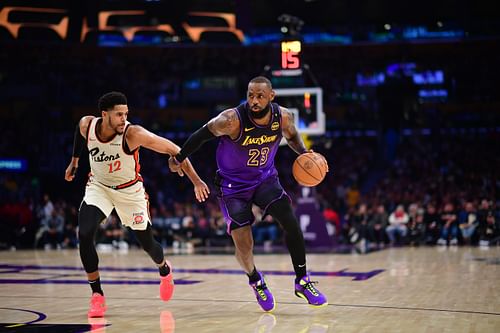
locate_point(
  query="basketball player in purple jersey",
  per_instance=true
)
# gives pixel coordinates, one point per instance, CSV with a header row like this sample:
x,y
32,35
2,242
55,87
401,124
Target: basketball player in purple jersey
x,y
115,183
249,138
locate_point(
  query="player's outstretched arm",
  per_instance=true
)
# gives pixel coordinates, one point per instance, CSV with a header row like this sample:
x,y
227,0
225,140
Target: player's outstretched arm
x,y
290,132
138,136
226,123
78,144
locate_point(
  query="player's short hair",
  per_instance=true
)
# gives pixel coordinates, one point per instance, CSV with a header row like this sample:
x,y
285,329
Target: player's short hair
x,y
262,79
109,100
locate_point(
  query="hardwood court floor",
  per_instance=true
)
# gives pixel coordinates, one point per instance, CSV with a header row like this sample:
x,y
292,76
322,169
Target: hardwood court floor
x,y
394,290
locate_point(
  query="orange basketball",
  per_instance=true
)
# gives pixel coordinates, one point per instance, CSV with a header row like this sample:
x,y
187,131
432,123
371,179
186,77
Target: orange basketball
x,y
309,169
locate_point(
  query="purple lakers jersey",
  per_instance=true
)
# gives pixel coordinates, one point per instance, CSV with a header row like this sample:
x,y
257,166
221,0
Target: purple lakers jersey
x,y
249,159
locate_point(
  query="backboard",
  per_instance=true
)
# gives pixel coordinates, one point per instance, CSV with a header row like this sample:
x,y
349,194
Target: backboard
x,y
307,103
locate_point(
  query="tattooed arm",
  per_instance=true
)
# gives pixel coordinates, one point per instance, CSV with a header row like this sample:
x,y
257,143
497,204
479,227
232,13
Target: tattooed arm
x,y
290,132
226,123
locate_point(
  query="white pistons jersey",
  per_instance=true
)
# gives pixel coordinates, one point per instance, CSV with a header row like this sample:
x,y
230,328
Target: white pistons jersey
x,y
110,164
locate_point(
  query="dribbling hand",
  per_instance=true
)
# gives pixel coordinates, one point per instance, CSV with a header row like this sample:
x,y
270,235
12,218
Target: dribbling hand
x,y
324,159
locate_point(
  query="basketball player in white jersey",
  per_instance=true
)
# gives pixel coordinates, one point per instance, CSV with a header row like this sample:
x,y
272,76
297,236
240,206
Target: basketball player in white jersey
x,y
115,183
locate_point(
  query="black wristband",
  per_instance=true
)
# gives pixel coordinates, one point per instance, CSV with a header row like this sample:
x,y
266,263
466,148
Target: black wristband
x,y
194,142
180,157
78,142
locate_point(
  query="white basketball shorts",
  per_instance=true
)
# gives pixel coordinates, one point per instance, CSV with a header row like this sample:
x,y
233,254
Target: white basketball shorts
x,y
131,203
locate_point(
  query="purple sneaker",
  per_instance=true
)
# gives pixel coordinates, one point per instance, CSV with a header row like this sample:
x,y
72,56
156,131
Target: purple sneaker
x,y
306,290
263,294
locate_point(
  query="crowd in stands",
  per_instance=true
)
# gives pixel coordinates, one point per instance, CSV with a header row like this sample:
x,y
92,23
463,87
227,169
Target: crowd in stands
x,y
436,191
441,192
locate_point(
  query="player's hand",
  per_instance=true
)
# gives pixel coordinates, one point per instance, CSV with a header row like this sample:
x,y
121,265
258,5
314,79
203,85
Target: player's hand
x,y
70,172
324,159
175,166
201,191
326,163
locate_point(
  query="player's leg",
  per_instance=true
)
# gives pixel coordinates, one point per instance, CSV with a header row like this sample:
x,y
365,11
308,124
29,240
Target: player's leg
x,y
273,200
271,197
237,211
89,218
239,218
155,251
243,242
132,206
282,211
238,214
150,245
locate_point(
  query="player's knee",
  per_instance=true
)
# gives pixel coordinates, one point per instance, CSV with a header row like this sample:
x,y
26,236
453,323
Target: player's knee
x,y
242,238
149,244
85,236
282,211
88,221
281,206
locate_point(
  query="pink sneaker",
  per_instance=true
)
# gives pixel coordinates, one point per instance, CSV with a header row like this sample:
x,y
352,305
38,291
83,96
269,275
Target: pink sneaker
x,y
97,306
167,284
98,324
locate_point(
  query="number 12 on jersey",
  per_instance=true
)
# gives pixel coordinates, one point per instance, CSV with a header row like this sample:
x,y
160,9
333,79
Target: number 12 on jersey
x,y
115,166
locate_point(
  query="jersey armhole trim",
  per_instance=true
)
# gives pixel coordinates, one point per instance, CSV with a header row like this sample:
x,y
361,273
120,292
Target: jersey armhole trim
x,y
125,147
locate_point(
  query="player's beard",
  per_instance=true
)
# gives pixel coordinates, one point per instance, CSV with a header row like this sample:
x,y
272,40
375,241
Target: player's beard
x,y
115,128
262,113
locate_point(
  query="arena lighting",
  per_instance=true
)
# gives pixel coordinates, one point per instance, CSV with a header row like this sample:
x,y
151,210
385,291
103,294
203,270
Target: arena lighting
x,y
428,77
104,25
432,93
61,28
128,32
13,164
195,32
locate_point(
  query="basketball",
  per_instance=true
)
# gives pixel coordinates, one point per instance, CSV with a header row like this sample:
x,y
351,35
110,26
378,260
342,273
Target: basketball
x,y
309,169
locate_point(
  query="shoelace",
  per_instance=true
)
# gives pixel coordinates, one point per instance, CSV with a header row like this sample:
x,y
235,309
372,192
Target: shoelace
x,y
309,286
260,289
